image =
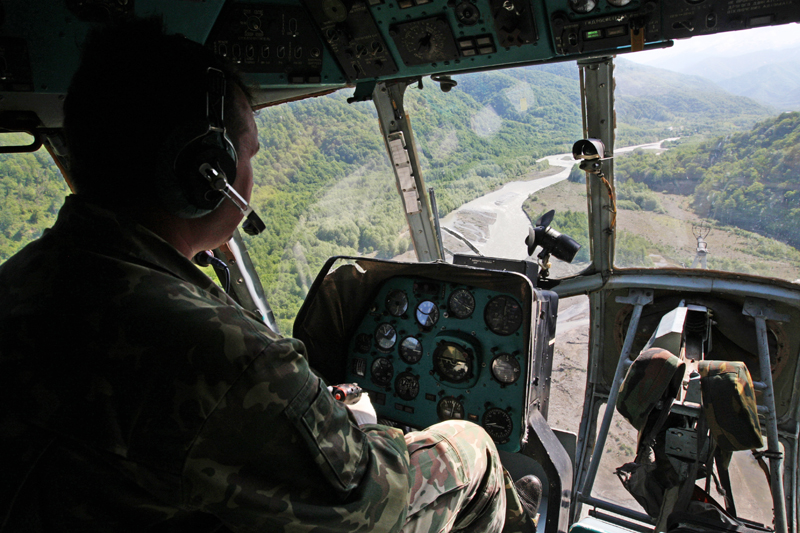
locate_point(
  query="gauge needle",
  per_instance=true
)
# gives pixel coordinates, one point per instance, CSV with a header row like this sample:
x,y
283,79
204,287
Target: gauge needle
x,y
425,44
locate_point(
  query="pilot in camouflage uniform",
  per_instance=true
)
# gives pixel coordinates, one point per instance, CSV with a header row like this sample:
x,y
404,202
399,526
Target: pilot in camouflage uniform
x,y
135,395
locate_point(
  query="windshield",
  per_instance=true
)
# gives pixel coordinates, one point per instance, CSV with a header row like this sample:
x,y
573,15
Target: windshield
x,y
705,178
698,185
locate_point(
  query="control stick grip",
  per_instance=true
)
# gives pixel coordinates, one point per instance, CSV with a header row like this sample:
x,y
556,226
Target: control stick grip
x,y
347,393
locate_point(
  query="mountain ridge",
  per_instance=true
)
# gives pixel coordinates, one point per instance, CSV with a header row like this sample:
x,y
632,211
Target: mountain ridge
x,y
753,74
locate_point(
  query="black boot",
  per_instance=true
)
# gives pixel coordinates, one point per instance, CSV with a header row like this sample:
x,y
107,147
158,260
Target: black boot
x,y
529,489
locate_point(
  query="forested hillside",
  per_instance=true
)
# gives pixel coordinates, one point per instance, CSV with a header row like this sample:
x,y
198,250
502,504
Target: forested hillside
x,y
324,185
31,193
749,179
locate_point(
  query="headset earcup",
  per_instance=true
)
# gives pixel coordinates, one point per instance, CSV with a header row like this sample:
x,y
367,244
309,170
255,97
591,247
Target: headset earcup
x,y
215,149
184,191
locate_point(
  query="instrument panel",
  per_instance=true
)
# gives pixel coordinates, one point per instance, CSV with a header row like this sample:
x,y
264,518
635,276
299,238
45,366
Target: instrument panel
x,y
429,351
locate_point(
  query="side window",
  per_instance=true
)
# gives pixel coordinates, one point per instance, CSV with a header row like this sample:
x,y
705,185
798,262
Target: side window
x,y
32,191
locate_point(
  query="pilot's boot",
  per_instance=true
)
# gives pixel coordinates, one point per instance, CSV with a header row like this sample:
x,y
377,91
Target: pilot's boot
x,y
529,489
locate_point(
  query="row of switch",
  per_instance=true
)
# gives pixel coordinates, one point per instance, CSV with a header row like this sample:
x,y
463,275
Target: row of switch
x,y
281,52
480,45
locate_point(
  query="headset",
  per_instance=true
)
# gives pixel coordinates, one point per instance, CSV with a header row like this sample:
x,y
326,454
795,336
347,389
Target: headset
x,y
205,165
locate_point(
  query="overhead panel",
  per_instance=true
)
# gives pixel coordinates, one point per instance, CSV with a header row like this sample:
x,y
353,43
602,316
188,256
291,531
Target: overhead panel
x,y
581,27
101,10
281,44
16,72
350,31
514,24
438,36
424,41
686,19
40,42
301,45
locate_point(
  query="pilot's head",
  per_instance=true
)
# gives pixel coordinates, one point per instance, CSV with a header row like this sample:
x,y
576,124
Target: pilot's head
x,y
137,99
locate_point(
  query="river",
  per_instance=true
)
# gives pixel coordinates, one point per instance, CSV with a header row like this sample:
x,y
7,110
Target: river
x,y
496,224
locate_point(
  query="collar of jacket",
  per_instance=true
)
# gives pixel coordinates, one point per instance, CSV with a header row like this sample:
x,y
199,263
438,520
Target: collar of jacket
x,y
91,228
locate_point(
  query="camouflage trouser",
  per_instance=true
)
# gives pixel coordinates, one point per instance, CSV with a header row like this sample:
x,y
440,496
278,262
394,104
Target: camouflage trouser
x,y
459,484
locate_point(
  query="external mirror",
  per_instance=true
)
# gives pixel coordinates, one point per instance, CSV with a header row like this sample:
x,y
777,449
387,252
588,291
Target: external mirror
x,y
588,149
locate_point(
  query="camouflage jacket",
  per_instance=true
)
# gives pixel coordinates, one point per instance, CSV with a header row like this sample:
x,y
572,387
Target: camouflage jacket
x,y
134,394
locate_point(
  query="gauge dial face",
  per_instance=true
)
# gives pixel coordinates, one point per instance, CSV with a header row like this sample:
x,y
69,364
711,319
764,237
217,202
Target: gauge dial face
x,y
363,343
385,337
406,386
425,41
582,6
619,3
498,424
335,10
382,371
449,408
452,362
506,369
461,303
411,350
427,314
503,315
397,302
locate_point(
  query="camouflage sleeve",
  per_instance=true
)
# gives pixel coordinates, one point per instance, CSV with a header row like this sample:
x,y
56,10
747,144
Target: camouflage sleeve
x,y
279,453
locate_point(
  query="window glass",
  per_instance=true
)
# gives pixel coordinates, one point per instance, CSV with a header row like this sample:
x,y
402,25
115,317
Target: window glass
x,y
570,360
31,193
696,183
721,194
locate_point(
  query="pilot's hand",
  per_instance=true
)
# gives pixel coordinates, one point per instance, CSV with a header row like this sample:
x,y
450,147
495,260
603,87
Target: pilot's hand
x,y
363,411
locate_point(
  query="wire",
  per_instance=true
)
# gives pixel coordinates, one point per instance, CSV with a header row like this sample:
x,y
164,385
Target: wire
x,y
206,258
226,274
613,199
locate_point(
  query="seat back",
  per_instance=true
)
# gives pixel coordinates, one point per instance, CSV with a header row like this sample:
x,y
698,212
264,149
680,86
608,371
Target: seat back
x,y
729,404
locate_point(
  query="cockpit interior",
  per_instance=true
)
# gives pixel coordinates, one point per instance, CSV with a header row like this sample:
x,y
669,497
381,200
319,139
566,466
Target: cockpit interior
x,y
432,340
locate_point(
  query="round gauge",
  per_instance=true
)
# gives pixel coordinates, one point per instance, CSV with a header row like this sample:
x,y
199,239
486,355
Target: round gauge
x,y
406,386
452,362
425,41
382,371
335,10
467,14
498,424
411,350
506,369
461,303
582,6
427,314
503,315
397,302
619,3
363,343
385,337
449,408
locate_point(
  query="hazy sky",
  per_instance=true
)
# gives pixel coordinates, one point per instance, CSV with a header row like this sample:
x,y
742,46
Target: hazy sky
x,y
725,44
